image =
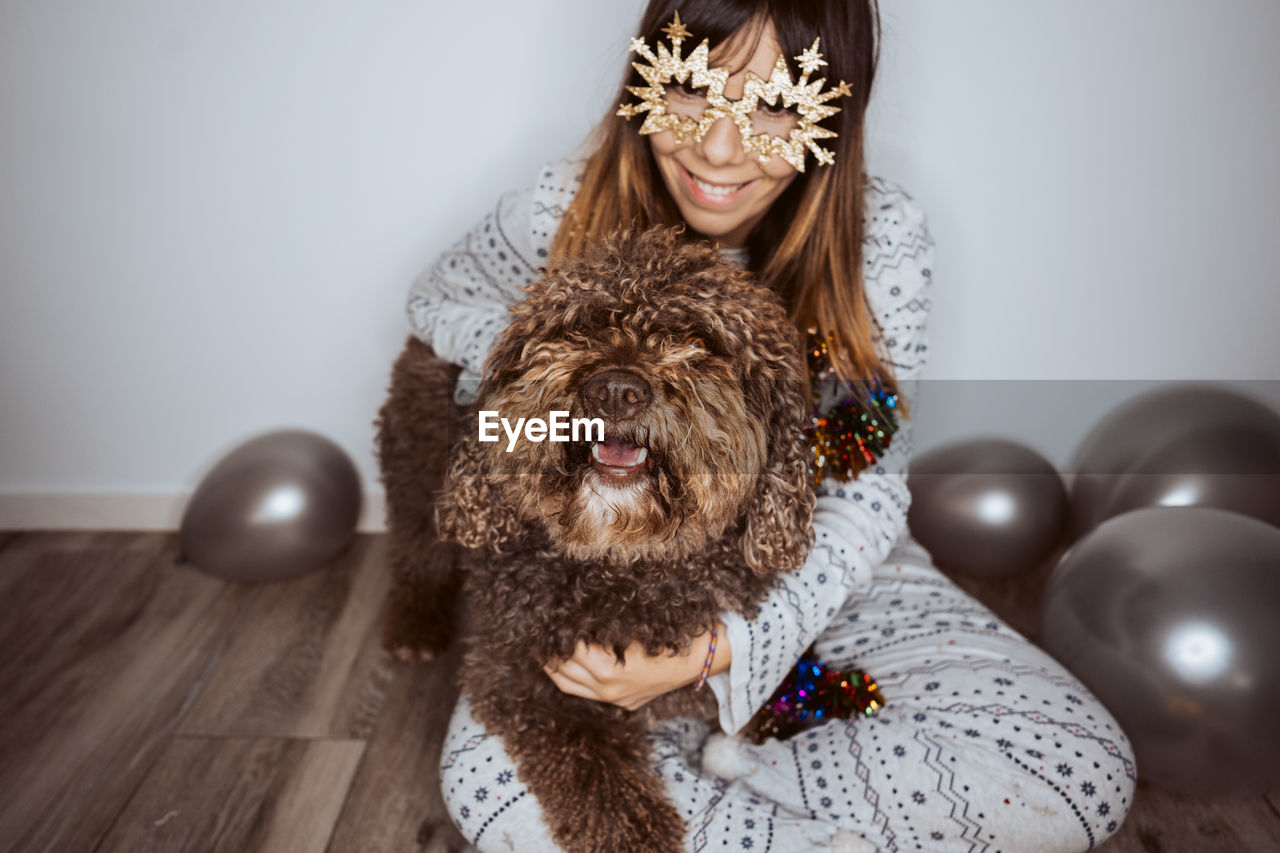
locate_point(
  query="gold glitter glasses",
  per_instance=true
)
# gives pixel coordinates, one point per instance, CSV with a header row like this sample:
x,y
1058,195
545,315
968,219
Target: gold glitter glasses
x,y
776,117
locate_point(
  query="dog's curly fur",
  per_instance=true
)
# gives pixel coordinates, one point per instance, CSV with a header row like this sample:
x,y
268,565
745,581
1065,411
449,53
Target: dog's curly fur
x,y
678,353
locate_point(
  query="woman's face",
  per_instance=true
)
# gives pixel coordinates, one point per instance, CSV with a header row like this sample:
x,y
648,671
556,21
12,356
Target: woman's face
x,y
723,191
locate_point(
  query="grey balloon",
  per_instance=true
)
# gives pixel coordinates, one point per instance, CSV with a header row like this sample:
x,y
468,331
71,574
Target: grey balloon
x,y
1190,444
987,507
1170,616
277,506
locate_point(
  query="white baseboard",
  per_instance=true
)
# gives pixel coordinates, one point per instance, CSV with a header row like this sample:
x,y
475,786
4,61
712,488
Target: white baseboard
x,y
126,511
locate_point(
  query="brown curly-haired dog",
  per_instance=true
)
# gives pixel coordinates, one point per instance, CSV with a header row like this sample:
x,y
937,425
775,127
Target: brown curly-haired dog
x,y
694,502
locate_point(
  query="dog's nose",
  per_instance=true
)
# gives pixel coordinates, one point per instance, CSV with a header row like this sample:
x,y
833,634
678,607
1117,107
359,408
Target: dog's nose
x,y
617,394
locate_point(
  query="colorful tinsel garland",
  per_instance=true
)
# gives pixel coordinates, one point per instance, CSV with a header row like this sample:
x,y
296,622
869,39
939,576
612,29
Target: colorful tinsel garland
x,y
853,431
813,694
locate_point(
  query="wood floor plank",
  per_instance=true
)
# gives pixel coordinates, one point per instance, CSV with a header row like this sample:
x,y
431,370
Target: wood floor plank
x,y
395,801
86,540
108,651
1167,821
239,795
99,651
24,550
300,662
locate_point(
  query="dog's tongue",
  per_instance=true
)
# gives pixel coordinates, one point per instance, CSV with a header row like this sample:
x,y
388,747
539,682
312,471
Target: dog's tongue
x,y
615,451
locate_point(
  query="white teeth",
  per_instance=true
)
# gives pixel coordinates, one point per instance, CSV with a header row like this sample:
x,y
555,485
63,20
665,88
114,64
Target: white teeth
x,y
595,454
713,189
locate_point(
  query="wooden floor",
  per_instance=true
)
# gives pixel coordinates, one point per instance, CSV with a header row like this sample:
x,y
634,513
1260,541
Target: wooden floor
x,y
147,707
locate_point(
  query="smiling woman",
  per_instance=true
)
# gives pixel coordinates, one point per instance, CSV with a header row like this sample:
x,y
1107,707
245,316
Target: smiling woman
x,y
721,189
741,123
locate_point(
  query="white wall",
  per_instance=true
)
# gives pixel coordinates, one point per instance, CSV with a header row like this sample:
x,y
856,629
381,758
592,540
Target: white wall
x,y
209,215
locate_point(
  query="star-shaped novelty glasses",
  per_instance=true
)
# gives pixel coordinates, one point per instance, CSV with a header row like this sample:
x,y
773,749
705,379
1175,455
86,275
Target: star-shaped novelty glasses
x,y
781,133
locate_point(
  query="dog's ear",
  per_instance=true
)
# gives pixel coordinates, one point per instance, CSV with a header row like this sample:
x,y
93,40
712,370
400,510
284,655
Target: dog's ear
x,y
777,533
473,509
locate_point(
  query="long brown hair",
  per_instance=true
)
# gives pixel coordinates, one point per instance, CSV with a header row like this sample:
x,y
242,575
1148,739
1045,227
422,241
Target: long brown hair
x,y
808,247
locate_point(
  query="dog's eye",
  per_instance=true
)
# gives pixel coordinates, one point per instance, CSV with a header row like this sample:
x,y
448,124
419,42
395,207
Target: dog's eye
x,y
695,342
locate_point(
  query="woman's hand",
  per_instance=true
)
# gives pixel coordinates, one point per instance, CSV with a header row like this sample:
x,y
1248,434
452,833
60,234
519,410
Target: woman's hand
x,y
594,673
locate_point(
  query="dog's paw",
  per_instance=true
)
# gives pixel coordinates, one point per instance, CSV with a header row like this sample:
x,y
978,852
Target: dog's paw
x,y
409,654
412,642
418,624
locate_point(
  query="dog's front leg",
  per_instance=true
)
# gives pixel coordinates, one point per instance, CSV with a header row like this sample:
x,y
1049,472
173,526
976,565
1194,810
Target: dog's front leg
x,y
591,775
415,429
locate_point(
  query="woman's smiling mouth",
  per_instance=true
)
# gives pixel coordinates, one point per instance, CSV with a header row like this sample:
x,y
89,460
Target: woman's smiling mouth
x,y
711,193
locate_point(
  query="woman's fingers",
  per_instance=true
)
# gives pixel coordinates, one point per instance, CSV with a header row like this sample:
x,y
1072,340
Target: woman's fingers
x,y
594,672
571,686
573,670
598,664
588,674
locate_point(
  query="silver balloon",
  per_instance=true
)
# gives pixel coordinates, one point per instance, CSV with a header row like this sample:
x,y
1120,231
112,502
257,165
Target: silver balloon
x,y
1169,615
277,506
1186,445
986,507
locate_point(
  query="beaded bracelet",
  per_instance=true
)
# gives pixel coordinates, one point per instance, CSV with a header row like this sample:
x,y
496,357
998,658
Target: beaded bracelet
x,y
706,665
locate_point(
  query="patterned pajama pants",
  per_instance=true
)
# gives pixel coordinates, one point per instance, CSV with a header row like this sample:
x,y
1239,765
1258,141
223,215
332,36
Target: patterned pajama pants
x,y
986,744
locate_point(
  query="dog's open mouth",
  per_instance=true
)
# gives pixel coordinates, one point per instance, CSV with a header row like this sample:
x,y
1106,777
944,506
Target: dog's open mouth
x,y
619,461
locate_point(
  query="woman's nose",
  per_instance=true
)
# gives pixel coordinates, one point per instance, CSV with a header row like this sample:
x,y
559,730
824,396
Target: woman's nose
x,y
722,144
